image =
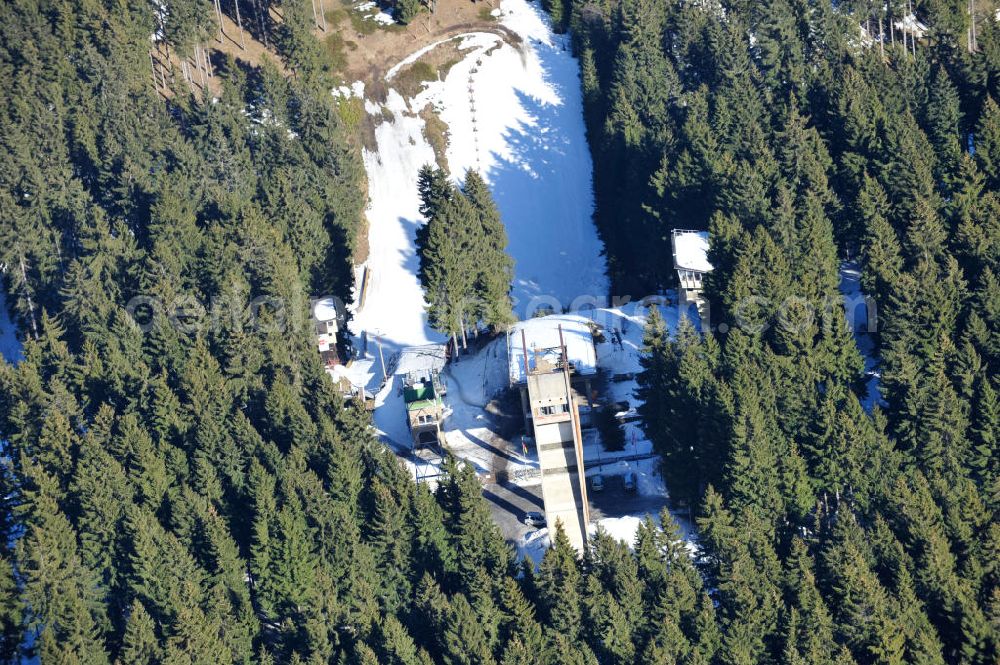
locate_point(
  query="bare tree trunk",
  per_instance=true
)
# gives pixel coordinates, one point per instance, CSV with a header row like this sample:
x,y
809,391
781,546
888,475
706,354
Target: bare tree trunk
x,y
465,340
315,17
975,40
322,15
208,63
454,342
27,296
59,256
968,31
913,37
218,14
163,73
152,65
201,67
239,22
881,37
260,21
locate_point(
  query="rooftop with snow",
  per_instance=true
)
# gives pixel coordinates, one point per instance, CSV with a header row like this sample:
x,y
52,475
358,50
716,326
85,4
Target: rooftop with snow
x,y
421,360
690,250
542,338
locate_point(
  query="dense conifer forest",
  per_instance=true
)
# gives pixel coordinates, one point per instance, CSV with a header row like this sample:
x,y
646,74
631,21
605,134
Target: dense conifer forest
x,y
464,268
199,493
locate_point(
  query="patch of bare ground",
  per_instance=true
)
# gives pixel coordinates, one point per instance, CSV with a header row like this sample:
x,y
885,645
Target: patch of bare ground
x,y
360,253
381,47
246,44
431,66
436,133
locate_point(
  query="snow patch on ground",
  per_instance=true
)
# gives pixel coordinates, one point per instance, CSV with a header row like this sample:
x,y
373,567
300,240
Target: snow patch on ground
x,y
625,528
856,309
371,11
356,89
10,347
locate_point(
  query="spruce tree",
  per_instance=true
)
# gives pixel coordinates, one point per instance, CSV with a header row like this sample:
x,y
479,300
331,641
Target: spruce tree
x,y
987,141
66,609
140,645
495,267
448,276
11,611
558,583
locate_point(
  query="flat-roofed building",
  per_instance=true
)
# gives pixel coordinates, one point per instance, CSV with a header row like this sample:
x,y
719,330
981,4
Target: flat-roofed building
x,y
690,250
325,324
546,339
423,392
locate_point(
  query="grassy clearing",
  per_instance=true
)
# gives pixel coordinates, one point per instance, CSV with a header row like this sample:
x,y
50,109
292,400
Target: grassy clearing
x,y
444,68
336,50
361,24
411,80
436,133
351,111
485,15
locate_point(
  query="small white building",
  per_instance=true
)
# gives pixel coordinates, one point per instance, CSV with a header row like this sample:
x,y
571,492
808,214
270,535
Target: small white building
x,y
911,26
690,249
325,324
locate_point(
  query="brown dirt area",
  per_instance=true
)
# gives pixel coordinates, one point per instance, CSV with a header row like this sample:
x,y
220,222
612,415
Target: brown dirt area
x,y
360,49
378,51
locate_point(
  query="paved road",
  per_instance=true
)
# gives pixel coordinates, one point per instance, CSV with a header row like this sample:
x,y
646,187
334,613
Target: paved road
x,y
508,503
614,501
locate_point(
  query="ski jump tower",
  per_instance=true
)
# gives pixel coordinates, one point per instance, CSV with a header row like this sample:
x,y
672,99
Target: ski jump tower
x,y
555,419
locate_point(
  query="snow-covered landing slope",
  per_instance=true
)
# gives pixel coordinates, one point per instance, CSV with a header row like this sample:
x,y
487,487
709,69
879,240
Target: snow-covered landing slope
x,y
394,300
515,114
517,117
